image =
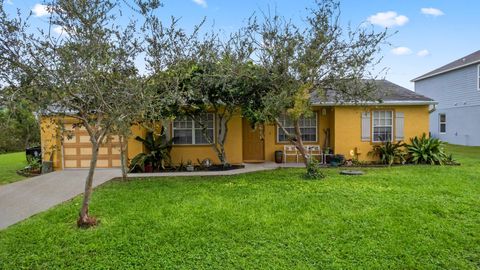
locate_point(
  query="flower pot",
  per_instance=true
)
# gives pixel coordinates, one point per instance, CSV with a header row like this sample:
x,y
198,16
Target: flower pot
x,y
148,168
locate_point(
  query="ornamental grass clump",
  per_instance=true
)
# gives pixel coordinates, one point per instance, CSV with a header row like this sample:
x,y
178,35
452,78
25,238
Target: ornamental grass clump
x,y
389,153
426,150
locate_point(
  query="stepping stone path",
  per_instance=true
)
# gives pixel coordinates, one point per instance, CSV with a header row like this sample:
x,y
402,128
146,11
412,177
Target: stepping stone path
x,y
349,172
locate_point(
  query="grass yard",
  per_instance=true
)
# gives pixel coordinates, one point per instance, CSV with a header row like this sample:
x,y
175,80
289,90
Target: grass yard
x,y
9,164
413,217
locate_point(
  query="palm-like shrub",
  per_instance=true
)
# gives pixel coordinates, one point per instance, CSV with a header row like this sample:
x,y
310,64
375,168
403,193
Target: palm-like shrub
x,y
389,152
426,150
157,154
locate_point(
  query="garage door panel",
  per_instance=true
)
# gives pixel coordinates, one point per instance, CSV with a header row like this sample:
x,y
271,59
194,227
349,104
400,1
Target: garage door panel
x,y
85,151
85,163
116,163
84,139
102,163
70,139
70,151
71,164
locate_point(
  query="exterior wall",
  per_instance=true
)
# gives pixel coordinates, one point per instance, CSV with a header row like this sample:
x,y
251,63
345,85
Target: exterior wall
x,y
323,121
135,147
233,147
51,141
344,123
348,127
454,89
458,96
463,125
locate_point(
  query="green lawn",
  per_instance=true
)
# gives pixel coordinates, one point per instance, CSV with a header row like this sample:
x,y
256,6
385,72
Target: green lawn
x,y
9,164
409,217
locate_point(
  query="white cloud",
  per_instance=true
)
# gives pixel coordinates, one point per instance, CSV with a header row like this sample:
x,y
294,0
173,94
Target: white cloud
x,y
202,3
423,53
432,11
10,2
388,19
401,51
40,10
59,30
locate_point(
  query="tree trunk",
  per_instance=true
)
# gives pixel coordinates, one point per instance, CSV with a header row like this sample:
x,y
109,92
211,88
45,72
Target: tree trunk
x,y
84,220
222,136
123,159
299,142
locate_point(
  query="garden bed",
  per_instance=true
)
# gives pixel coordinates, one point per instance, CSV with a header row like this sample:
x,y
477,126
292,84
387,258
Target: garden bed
x,y
196,168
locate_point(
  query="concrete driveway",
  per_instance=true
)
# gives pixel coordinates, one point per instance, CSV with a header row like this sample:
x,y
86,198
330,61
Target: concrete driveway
x,y
23,199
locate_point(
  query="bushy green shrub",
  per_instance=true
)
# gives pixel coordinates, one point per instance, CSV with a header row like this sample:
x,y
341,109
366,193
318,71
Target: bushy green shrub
x,y
314,171
426,150
389,152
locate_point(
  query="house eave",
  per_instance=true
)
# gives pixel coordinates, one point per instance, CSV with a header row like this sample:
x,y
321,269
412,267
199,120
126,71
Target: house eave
x,y
377,103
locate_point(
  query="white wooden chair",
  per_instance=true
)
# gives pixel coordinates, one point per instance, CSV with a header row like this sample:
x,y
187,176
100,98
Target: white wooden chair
x,y
289,150
313,151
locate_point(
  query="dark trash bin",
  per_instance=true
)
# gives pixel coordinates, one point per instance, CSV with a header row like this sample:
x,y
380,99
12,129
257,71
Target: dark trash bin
x,y
279,156
34,152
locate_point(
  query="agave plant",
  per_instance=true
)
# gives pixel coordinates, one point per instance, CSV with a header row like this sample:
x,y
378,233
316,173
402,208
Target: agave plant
x,y
389,152
426,150
158,152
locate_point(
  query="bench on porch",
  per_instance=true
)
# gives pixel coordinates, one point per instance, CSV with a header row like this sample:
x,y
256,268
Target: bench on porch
x,y
291,151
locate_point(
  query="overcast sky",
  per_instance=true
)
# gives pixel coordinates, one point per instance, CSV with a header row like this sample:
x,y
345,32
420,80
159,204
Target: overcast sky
x,y
431,33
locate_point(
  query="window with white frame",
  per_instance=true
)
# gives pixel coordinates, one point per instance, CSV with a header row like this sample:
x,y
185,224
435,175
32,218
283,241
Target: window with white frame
x,y
442,123
186,131
382,127
478,77
308,128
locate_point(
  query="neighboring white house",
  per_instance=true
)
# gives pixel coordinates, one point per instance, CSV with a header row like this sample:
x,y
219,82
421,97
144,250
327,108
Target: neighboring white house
x,y
456,88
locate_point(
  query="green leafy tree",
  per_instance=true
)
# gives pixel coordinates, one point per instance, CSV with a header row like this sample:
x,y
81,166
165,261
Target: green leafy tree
x,y
87,72
319,58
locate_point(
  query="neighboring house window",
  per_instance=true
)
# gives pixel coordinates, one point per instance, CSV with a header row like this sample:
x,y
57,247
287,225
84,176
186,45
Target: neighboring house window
x,y
382,127
442,122
308,128
186,131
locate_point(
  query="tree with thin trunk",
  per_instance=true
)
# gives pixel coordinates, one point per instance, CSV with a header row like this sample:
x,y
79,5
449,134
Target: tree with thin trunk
x,y
207,74
315,58
84,70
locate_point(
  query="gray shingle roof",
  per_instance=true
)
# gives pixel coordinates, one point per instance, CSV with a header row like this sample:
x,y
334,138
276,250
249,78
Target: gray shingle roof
x,y
462,62
385,92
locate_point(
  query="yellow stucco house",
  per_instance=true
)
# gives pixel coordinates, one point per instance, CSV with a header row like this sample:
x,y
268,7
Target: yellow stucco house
x,y
351,128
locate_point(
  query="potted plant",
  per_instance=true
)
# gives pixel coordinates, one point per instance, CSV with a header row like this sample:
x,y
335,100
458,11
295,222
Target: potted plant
x,y
157,154
189,166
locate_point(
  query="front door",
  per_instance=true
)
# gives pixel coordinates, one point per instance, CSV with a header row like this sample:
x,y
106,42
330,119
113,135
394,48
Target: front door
x,y
253,147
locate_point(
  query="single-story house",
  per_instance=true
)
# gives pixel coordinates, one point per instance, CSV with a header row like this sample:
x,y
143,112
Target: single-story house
x,y
352,129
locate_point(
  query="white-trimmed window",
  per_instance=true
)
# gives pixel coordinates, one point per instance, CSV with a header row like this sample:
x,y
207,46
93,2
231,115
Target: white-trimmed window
x,y
185,131
308,128
382,128
442,123
478,77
